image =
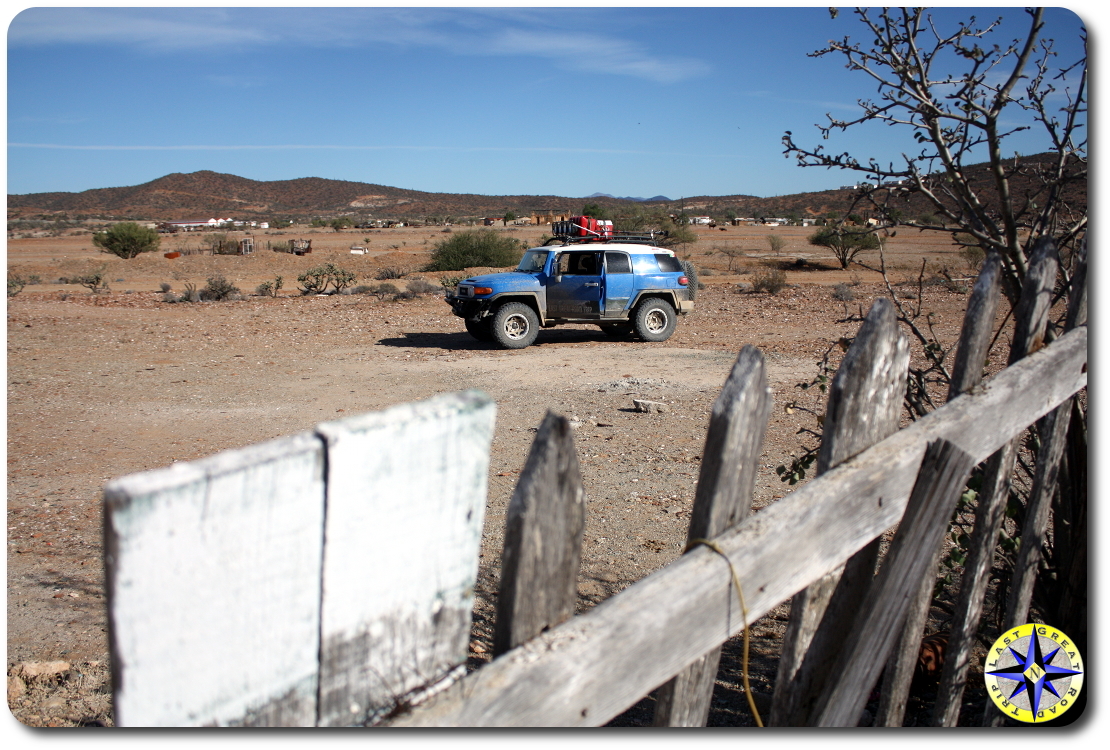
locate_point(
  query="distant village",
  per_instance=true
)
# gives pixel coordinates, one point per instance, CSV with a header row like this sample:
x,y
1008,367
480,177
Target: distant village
x,y
537,218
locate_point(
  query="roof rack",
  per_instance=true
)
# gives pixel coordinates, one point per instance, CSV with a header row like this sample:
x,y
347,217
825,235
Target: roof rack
x,y
648,238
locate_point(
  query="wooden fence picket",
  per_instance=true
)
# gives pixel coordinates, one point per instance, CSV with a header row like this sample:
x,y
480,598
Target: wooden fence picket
x,y
967,372
1032,317
406,499
726,481
543,539
213,577
864,404
1052,429
227,607
944,470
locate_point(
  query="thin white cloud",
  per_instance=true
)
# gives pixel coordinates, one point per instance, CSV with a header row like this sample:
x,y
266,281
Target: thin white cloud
x,y
596,53
143,28
536,33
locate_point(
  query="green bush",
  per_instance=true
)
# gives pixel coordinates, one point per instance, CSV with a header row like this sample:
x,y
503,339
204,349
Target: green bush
x,y
481,247
845,243
270,288
126,240
219,288
316,280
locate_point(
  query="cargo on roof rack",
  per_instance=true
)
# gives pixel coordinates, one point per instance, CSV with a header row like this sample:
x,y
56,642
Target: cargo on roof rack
x,y
588,229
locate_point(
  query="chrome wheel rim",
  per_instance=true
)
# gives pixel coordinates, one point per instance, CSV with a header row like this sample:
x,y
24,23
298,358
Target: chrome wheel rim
x,y
656,321
516,327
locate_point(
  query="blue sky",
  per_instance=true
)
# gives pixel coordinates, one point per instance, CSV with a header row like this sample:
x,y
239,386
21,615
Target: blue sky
x,y
630,101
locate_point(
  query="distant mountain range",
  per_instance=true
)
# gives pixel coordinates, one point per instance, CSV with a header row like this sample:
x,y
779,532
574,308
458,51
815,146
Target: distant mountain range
x,y
206,194
656,199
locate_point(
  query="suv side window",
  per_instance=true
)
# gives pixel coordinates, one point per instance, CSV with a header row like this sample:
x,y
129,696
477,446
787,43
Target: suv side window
x,y
617,263
668,264
579,264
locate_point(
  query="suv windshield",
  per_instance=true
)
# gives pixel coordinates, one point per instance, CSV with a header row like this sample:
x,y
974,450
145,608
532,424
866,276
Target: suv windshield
x,y
533,261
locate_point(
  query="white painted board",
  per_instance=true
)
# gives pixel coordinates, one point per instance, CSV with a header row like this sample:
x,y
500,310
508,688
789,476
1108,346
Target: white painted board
x,y
213,573
406,499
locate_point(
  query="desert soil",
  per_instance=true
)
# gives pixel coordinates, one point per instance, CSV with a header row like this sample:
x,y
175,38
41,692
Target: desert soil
x,y
105,385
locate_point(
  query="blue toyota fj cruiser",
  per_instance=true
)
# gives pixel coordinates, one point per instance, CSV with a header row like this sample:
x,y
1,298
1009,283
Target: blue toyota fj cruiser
x,y
621,285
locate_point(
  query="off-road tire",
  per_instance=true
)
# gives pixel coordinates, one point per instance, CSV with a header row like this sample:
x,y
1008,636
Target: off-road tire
x,y
515,325
655,320
481,329
691,272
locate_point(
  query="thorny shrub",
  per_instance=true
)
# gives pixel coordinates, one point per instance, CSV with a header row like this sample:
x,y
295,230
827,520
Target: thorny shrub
x,y
772,281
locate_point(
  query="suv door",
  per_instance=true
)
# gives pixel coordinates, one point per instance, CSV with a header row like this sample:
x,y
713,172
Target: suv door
x,y
577,293
619,284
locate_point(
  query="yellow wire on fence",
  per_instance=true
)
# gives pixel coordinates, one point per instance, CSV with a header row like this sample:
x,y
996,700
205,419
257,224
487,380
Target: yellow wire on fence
x,y
744,613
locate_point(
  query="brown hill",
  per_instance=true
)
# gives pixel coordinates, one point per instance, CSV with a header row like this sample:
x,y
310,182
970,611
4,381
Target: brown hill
x,y
209,194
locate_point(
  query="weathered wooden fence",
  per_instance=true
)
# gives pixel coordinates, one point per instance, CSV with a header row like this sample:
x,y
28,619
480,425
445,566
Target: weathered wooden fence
x,y
327,578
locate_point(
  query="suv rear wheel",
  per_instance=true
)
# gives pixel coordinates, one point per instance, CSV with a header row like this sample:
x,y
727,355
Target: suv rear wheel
x,y
515,325
655,320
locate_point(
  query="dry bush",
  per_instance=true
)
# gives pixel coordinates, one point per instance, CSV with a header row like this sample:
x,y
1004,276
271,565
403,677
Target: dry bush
x,y
772,281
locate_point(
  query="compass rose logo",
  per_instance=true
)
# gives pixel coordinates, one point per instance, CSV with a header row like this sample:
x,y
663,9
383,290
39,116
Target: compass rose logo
x,y
1033,673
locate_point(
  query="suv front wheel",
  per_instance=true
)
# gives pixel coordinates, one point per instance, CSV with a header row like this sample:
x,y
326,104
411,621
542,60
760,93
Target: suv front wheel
x,y
655,320
515,325
480,329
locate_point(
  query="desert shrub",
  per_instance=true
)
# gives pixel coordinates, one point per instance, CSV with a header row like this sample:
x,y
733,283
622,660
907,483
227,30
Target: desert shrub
x,y
389,273
399,296
842,292
449,282
313,281
94,281
361,289
191,294
165,286
219,288
15,284
422,286
270,288
845,243
171,298
732,254
973,256
481,247
33,279
772,281
341,278
383,290
126,240
316,280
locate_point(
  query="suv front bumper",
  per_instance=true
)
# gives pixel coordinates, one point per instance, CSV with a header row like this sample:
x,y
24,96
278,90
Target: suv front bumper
x,y
468,307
